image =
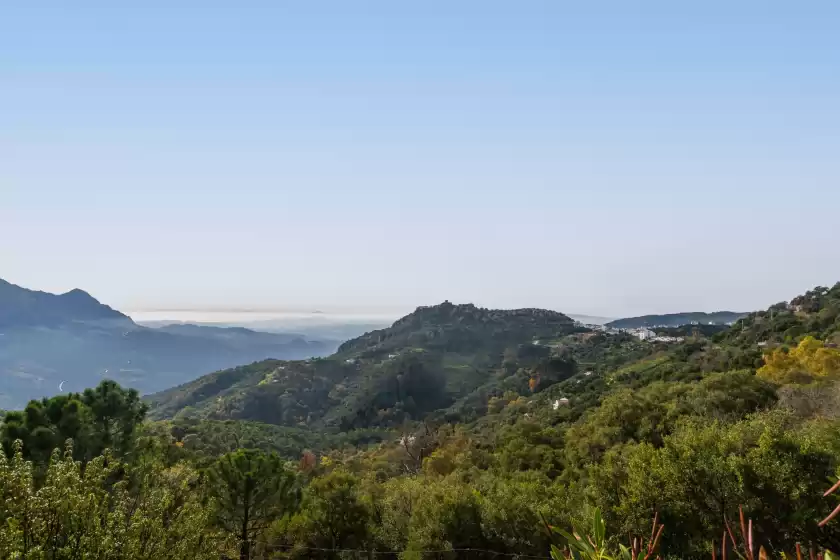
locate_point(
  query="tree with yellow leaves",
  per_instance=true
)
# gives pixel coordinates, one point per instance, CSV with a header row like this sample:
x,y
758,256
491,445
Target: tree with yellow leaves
x,y
810,361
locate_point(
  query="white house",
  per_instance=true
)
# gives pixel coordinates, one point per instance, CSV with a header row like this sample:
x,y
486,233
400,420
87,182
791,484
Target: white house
x,y
560,402
644,334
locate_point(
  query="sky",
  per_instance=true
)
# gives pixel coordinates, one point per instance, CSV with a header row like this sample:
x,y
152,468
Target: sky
x,y
607,158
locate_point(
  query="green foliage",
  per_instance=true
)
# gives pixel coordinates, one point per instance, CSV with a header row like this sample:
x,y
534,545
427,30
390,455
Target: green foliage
x,y
461,329
105,417
103,511
817,313
582,545
253,489
332,516
651,413
205,440
425,362
705,470
447,516
514,507
272,391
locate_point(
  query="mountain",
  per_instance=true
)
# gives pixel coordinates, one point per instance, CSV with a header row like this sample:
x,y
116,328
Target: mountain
x,y
424,362
230,335
50,343
677,319
446,362
317,326
20,307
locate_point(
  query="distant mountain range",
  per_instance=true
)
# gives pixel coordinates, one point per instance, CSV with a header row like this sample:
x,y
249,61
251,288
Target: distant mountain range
x,y
52,342
677,319
316,327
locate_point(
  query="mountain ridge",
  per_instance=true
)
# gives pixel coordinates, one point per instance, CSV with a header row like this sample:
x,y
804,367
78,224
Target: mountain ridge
x,y
22,306
677,319
447,362
423,362
64,342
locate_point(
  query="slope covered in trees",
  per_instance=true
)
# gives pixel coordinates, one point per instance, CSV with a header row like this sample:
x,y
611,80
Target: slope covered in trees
x,y
425,362
580,423
817,312
677,319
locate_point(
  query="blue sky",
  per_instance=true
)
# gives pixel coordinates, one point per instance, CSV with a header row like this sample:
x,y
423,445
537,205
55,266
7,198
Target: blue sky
x,y
611,158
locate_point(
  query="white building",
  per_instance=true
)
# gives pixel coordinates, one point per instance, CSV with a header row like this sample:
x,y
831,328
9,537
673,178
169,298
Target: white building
x,y
667,339
644,334
560,402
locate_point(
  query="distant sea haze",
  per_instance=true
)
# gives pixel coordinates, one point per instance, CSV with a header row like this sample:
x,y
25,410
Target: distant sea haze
x,y
244,316
590,319
291,317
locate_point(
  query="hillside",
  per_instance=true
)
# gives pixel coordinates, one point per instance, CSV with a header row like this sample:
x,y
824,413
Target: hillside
x,y
424,362
816,312
677,319
445,363
22,307
50,343
458,428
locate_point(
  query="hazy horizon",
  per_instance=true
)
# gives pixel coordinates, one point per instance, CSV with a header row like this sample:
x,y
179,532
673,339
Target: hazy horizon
x,y
257,317
609,159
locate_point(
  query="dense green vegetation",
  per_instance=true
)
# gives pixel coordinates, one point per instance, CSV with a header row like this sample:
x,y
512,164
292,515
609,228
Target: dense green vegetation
x,y
457,433
816,312
97,419
690,330
425,362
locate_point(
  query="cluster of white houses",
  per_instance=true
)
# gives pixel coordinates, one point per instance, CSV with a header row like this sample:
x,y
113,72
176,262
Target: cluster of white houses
x,y
642,333
647,334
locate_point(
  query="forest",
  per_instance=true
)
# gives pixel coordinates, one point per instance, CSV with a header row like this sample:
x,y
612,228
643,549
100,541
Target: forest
x,y
457,433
